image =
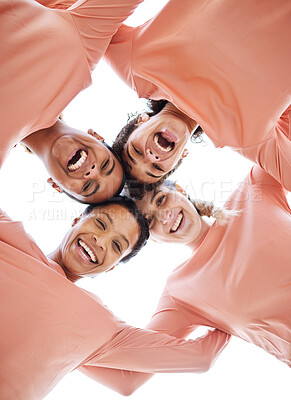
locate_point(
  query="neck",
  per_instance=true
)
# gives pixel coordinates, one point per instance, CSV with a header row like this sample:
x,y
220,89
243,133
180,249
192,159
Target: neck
x,y
56,256
205,226
192,124
40,142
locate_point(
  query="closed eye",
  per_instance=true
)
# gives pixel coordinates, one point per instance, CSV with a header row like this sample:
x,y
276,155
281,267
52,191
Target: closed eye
x,y
86,186
160,200
136,150
117,246
158,168
104,164
101,224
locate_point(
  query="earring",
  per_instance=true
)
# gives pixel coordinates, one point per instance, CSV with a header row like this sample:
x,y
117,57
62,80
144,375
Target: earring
x,y
185,153
180,189
95,135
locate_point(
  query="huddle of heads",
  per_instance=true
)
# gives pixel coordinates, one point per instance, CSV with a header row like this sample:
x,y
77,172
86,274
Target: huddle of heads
x,y
151,146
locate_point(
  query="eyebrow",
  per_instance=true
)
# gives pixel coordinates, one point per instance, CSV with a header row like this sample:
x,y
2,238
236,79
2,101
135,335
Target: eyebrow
x,y
93,192
112,168
126,164
107,215
130,157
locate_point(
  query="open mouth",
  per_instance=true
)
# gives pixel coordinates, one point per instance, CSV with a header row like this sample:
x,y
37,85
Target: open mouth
x,y
87,252
77,160
163,142
177,222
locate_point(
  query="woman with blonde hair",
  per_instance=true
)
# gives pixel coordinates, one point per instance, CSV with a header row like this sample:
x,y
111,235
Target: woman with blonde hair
x,y
238,277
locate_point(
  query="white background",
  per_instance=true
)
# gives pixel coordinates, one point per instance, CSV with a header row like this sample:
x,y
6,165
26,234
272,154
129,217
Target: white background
x,y
132,290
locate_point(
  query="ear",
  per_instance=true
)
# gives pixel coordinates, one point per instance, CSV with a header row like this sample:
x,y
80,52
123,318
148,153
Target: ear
x,y
110,269
54,185
184,154
95,135
144,117
76,220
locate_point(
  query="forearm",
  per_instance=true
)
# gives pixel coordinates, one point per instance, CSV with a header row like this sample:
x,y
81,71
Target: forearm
x,y
151,352
274,156
121,381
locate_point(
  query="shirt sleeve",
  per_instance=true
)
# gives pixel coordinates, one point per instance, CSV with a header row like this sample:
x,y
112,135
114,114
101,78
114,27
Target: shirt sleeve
x,y
274,154
145,350
4,216
266,185
60,4
122,59
97,21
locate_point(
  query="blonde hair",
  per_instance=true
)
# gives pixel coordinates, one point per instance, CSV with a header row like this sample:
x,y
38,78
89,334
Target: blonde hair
x,y
208,209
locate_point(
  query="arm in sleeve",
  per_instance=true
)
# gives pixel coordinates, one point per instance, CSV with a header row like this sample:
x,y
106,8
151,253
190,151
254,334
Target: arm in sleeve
x,y
274,154
145,350
97,21
121,55
60,4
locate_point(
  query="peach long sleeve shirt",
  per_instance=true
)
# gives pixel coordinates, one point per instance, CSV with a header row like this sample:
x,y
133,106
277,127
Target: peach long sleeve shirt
x,y
47,57
50,327
238,279
226,64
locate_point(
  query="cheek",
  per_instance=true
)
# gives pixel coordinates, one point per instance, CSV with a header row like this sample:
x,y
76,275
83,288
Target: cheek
x,y
195,225
139,137
159,235
70,185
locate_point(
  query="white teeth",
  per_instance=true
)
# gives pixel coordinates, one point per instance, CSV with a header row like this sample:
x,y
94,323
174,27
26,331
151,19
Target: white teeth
x,y
88,250
177,222
166,150
77,165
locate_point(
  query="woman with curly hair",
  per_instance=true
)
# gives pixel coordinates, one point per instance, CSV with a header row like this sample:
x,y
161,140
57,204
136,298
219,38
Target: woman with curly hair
x,y
224,66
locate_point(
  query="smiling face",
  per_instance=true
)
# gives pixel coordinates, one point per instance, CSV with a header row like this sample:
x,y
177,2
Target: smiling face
x,y
172,217
157,144
84,167
98,241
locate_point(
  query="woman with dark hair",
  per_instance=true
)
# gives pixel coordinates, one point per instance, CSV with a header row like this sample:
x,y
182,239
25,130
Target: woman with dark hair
x,y
50,327
238,277
47,57
219,68
224,66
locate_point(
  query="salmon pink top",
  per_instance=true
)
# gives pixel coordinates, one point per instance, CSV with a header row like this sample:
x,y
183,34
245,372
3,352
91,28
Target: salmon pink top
x,y
226,64
238,279
50,327
47,57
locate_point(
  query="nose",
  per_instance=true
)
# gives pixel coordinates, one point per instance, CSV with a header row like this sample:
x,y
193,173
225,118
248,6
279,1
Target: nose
x,y
164,216
100,242
151,156
91,172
